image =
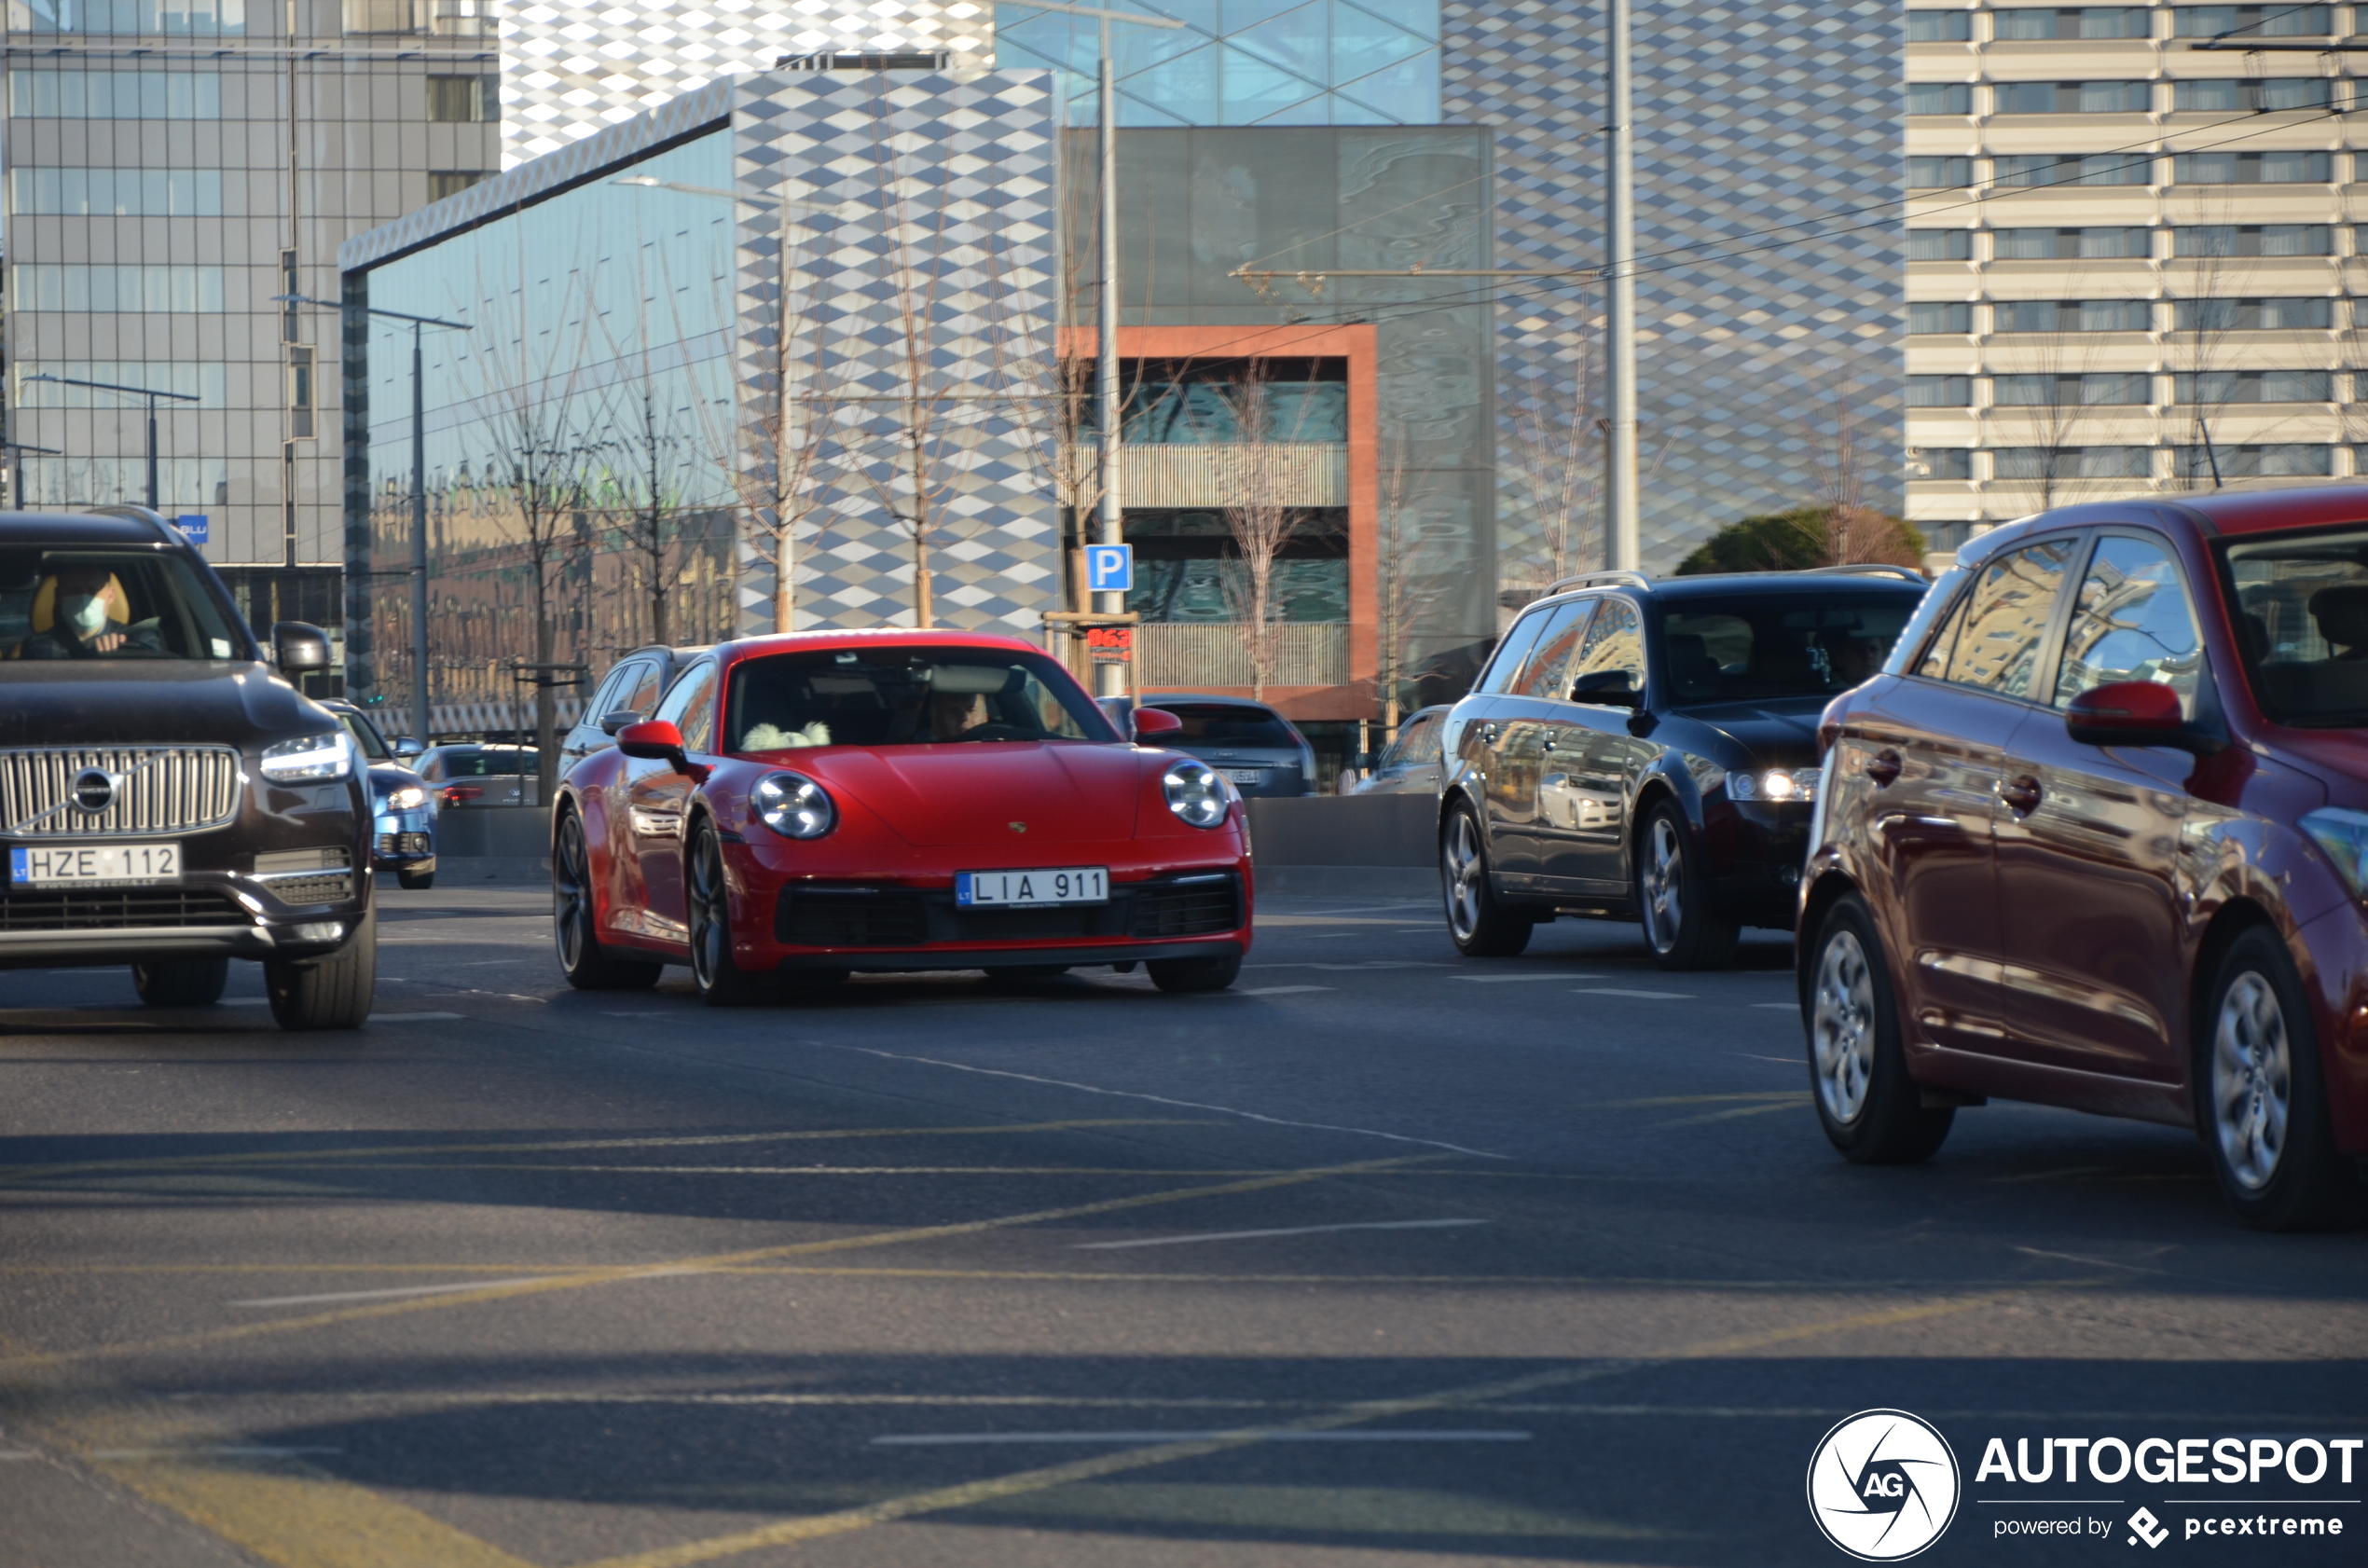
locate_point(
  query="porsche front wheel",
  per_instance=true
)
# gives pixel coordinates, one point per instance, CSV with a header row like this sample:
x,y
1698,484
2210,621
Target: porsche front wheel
x,y
721,982
1196,974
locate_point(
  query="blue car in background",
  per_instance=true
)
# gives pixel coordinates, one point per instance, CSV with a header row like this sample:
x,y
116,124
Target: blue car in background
x,y
403,834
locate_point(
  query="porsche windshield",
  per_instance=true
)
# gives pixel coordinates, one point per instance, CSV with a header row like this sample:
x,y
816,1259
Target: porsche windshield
x,y
905,695
110,606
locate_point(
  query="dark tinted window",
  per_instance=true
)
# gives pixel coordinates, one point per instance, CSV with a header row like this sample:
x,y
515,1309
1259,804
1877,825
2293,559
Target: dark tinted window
x,y
2007,617
64,603
1768,646
908,695
485,762
1232,726
2302,622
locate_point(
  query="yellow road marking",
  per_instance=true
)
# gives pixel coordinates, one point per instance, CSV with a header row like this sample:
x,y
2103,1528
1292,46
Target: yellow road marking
x,y
971,1494
613,1276
1740,1111
318,1156
1787,1095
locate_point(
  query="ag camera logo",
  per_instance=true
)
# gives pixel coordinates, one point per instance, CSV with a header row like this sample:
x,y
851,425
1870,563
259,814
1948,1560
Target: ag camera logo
x,y
1883,1485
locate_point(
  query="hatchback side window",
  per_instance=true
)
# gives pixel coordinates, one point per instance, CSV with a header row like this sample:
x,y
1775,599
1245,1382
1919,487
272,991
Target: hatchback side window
x,y
690,707
646,689
2133,622
1546,673
1615,646
611,696
2007,619
1508,662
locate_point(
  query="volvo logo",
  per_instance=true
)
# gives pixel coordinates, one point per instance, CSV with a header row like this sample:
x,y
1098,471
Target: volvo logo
x,y
94,789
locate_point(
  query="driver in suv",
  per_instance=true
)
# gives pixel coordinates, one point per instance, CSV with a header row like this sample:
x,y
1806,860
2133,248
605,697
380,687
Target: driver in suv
x,y
167,801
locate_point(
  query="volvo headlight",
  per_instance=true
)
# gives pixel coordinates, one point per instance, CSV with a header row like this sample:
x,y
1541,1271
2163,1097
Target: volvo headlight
x,y
1776,784
793,805
409,798
1197,793
308,757
2343,835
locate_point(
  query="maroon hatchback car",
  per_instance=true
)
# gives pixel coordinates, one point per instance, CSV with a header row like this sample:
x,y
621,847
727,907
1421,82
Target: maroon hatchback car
x,y
2097,837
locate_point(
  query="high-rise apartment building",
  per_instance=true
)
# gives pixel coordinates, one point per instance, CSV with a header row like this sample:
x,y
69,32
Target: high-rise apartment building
x,y
171,166
2132,251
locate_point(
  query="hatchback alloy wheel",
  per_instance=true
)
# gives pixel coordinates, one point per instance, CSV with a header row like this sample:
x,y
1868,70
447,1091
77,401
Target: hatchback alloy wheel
x,y
1841,1027
2251,1080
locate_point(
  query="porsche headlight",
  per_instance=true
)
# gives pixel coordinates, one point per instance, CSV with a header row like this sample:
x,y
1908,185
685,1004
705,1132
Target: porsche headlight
x,y
308,757
2343,835
409,798
793,805
1197,793
1776,784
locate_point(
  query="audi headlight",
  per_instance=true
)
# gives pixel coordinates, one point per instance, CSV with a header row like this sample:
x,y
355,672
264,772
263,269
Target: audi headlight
x,y
1197,793
308,757
793,805
409,798
1776,784
2343,835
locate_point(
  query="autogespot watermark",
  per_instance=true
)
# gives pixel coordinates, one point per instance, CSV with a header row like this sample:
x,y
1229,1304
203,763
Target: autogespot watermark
x,y
1883,1485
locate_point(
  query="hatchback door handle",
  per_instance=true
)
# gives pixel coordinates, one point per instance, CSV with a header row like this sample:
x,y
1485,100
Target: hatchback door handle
x,y
2021,793
1882,767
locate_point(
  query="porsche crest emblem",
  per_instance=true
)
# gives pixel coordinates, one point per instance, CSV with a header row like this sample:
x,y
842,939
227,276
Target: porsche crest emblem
x,y
1017,827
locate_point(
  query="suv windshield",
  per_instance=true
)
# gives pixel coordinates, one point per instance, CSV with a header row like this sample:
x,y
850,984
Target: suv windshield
x,y
2302,622
1751,648
905,695
79,602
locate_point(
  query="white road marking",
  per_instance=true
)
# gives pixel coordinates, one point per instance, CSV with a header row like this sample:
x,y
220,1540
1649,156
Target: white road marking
x,y
1501,979
234,1450
1785,1006
1452,1435
382,1295
413,1017
1293,1230
1284,990
1622,991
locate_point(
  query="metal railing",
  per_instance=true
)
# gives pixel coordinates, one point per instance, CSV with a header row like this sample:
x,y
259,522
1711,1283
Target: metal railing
x,y
1210,654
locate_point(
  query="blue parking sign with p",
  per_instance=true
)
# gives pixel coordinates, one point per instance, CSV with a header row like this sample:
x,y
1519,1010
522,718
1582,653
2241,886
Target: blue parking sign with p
x,y
1110,569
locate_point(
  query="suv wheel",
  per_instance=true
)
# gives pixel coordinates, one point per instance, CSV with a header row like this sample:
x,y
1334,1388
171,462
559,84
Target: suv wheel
x,y
181,981
1482,927
1871,1109
2261,1100
1672,897
575,927
331,993
721,982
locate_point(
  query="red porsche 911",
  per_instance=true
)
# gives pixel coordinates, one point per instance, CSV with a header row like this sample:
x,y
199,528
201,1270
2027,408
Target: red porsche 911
x,y
804,807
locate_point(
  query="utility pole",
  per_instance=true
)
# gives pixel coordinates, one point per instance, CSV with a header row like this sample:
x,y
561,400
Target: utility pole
x,y
1620,259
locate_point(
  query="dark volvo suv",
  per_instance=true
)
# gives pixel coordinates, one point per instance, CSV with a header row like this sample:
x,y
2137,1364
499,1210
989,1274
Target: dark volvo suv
x,y
167,801
1646,751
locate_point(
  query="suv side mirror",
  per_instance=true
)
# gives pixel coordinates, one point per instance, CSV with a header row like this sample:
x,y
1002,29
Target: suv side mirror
x,y
2133,713
406,747
1155,720
612,722
1611,688
298,645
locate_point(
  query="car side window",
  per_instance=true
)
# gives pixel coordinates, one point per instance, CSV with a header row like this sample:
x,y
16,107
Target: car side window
x,y
645,688
1415,746
1934,666
690,707
2007,619
608,699
1547,672
1615,643
1508,662
2133,622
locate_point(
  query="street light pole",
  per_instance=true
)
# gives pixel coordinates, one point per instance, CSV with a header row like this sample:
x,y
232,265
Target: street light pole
x,y
419,716
1619,257
151,393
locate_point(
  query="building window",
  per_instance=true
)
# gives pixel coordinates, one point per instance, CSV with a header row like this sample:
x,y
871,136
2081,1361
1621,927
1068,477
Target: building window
x,y
2101,169
452,181
1940,391
2252,169
1939,173
2278,461
2074,315
443,18
2254,386
2259,21
2255,315
2072,463
35,93
1940,244
2112,389
123,193
1939,27
203,19
2086,22
2072,98
300,391
1300,401
1940,463
2220,241
51,286
1940,315
464,100
1939,97
2067,245
2245,97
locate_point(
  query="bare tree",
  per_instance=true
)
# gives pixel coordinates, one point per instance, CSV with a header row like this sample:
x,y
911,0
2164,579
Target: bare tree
x,y
1267,516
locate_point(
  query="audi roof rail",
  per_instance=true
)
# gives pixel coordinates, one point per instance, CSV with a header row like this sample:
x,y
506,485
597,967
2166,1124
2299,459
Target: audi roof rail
x,y
1587,579
1862,568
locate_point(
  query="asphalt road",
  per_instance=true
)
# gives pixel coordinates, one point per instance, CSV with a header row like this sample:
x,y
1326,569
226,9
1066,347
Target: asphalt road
x,y
1386,1257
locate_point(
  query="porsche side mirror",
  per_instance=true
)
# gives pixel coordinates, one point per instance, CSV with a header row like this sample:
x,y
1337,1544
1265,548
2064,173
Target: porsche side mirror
x,y
1609,688
655,740
2133,713
1156,721
405,747
612,722
297,646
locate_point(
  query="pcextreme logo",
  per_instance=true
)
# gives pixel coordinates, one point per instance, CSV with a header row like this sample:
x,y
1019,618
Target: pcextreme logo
x,y
1883,1485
